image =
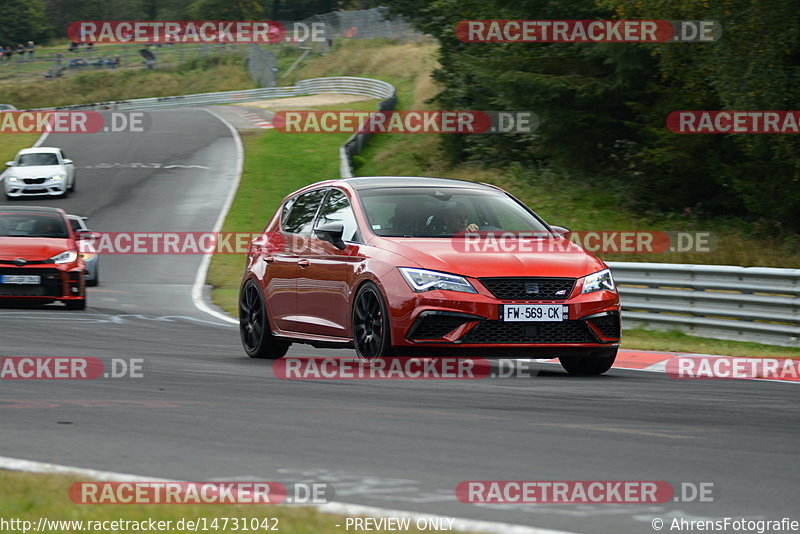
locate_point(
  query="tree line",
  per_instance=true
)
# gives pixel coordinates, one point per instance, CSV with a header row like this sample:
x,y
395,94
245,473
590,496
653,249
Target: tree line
x,y
43,20
603,106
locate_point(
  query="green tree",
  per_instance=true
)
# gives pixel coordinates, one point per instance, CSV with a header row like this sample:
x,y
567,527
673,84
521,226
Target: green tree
x,y
22,21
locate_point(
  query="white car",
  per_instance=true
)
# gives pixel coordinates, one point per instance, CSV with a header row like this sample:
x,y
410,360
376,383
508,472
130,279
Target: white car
x,y
40,171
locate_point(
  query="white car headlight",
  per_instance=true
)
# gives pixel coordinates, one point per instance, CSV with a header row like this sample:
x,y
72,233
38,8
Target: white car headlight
x,y
57,177
12,179
421,280
599,281
68,256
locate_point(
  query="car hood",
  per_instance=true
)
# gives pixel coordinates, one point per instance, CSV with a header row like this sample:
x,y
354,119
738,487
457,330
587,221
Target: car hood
x,y
557,257
33,248
35,171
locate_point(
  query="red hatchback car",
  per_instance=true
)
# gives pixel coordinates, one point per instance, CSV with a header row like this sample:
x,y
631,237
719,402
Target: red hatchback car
x,y
39,259
425,266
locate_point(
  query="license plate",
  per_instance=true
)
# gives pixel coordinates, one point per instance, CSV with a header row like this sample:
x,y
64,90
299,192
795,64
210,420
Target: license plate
x,y
533,312
20,279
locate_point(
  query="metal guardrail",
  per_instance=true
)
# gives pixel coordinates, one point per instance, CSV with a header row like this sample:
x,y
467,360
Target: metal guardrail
x,y
725,302
342,84
355,143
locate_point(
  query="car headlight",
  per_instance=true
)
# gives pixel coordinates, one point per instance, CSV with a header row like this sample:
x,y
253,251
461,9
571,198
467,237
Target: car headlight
x,y
86,256
68,256
421,280
12,179
57,177
599,281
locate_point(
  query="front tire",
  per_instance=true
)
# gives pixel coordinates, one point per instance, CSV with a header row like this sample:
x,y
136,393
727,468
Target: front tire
x,y
370,324
595,363
257,340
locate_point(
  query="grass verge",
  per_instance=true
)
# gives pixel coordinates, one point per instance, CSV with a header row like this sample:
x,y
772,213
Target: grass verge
x,y
205,74
29,497
10,144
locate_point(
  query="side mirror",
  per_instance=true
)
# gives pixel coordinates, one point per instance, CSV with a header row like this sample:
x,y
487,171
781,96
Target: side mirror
x,y
83,235
332,233
68,162
563,232
9,163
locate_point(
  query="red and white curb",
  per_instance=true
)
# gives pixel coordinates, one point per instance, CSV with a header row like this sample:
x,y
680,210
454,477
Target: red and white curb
x,y
702,365
255,118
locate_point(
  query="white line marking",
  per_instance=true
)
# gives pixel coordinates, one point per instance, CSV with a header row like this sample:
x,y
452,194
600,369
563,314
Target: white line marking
x,y
462,524
202,271
41,140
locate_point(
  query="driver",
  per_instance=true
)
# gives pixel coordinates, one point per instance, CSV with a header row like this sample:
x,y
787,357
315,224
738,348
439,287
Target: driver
x,y
456,219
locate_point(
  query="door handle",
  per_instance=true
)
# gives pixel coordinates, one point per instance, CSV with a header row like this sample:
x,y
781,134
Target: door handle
x,y
303,263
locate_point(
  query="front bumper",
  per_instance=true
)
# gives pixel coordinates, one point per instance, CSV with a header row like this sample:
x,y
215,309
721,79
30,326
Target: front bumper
x,y
21,189
57,282
444,320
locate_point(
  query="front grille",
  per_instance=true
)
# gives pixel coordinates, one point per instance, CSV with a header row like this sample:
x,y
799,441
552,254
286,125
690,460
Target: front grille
x,y
529,288
543,332
28,262
607,324
21,291
34,191
33,181
51,285
436,326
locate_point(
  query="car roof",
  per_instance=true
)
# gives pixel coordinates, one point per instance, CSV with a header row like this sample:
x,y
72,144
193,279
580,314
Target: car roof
x,y
32,209
39,149
373,182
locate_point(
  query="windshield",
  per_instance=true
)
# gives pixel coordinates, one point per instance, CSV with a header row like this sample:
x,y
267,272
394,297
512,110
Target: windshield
x,y
29,160
32,225
444,212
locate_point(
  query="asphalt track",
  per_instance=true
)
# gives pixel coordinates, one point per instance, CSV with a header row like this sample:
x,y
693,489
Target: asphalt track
x,y
204,411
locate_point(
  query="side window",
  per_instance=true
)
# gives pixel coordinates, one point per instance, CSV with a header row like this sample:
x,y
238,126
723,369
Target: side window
x,y
302,211
76,224
287,207
336,208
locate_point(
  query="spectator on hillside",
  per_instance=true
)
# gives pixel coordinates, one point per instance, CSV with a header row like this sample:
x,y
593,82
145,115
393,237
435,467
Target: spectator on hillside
x,y
20,52
31,49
